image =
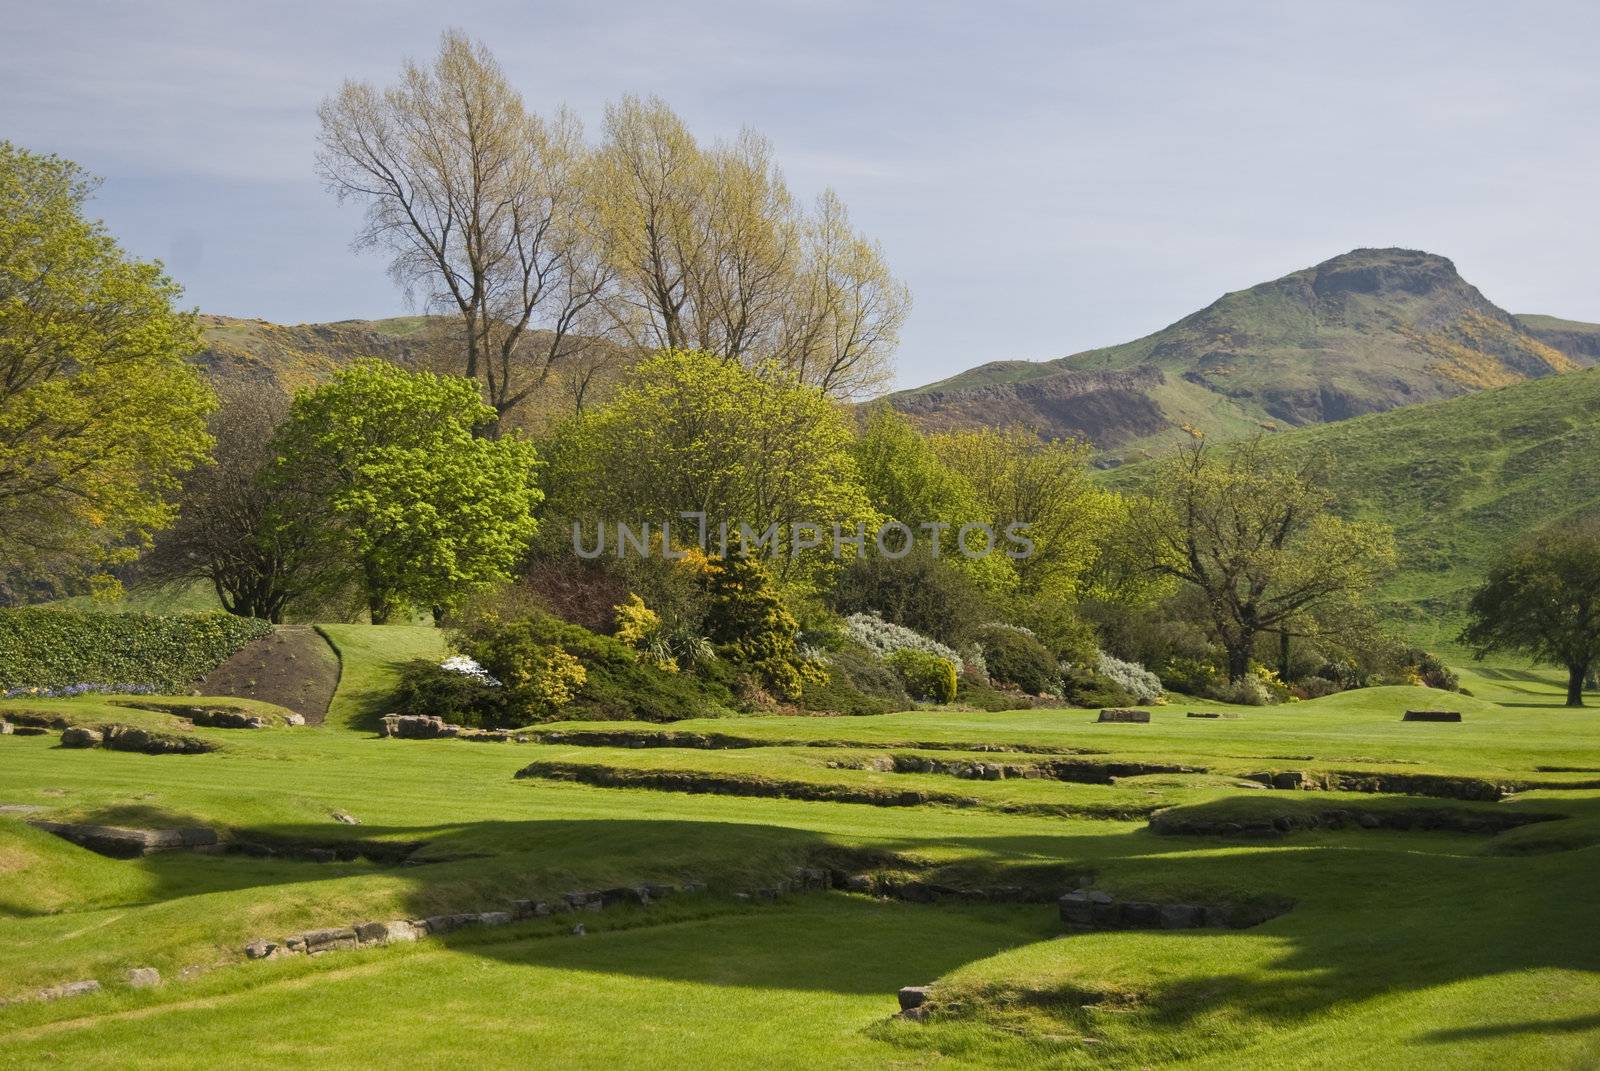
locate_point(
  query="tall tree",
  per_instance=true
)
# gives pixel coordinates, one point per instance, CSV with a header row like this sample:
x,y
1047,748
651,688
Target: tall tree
x,y
482,206
257,542
691,432
1256,536
1543,600
712,253
844,319
426,511
100,414
1044,485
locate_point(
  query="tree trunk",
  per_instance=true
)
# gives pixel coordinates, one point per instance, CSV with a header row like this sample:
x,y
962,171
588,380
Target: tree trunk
x,y
1283,655
1575,675
1239,662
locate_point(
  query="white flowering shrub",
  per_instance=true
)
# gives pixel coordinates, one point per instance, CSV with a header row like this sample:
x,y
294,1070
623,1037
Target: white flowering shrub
x,y
884,638
468,667
1144,685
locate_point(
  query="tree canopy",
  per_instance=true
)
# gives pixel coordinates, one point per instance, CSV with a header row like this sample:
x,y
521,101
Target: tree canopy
x,y
99,412
426,510
690,432
1256,536
1543,600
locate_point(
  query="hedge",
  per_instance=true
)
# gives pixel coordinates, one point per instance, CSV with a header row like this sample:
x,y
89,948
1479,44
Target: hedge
x,y
44,647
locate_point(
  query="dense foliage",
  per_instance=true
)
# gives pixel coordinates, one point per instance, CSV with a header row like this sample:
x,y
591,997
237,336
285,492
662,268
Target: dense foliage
x,y
691,432
52,648
925,675
1015,656
1255,536
100,413
426,509
1543,599
548,668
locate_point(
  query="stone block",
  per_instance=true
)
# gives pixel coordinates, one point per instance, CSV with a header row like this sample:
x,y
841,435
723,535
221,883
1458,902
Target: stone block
x,y
144,977
913,996
1124,716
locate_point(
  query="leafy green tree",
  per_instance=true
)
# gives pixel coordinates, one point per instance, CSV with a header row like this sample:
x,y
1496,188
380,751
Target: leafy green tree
x,y
1256,537
99,412
1020,479
426,511
906,481
690,432
1543,600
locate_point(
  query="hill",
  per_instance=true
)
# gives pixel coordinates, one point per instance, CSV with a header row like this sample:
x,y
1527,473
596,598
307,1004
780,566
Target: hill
x,y
1458,480
1366,332
257,353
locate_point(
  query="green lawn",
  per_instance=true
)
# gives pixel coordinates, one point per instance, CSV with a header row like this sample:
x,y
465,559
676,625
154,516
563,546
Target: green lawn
x,y
1402,948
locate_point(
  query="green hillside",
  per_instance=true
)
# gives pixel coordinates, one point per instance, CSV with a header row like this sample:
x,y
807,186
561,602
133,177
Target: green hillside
x,y
1366,332
1458,480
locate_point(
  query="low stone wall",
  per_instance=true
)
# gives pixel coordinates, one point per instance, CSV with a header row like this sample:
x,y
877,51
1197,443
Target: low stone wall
x,y
375,934
120,842
1430,819
1086,909
430,727
1077,772
1440,786
133,738
699,781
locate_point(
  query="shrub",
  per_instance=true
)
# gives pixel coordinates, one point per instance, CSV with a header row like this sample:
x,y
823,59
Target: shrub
x,y
1314,688
1016,658
1083,687
1133,678
926,676
44,647
750,623
616,683
1191,676
1247,691
429,688
975,693
926,594
883,638
1430,671
858,682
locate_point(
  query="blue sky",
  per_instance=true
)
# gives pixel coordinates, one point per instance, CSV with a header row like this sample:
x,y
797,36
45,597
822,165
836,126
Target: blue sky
x,y
1047,177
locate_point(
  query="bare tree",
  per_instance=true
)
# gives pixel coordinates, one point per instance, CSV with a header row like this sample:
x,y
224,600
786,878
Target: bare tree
x,y
481,204
712,253
845,319
256,544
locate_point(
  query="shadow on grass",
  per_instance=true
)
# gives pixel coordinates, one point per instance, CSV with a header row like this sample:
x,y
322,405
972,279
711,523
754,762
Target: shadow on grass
x,y
1576,1024
1373,916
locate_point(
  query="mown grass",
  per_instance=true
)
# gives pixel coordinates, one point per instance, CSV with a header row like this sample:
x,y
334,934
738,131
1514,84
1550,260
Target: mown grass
x,y
1402,949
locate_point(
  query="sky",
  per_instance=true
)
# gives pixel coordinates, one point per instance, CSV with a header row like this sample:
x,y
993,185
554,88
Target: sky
x,y
1046,177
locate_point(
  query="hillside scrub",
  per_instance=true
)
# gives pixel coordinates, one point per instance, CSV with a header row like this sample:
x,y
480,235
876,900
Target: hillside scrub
x,y
52,648
548,668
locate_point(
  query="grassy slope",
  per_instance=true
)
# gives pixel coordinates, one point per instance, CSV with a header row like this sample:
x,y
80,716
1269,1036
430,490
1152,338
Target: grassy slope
x,y
1366,971
369,657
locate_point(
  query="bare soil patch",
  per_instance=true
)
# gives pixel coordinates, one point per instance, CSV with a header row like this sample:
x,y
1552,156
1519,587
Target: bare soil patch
x,y
294,668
